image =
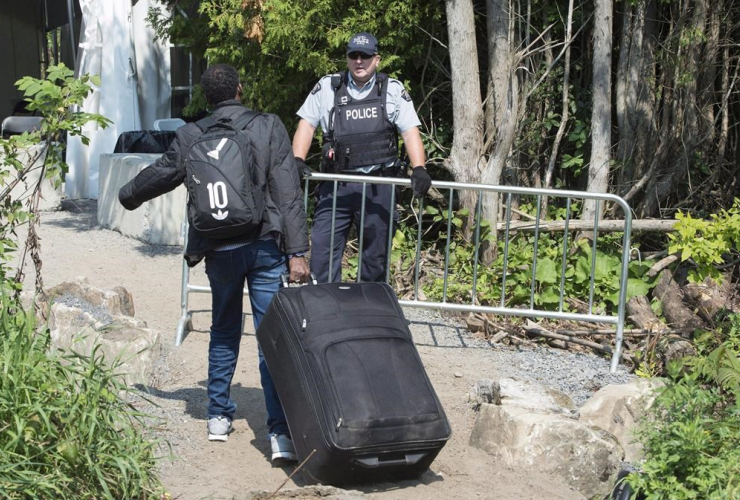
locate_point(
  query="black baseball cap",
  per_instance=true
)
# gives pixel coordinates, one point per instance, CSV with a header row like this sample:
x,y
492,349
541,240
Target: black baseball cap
x,y
363,42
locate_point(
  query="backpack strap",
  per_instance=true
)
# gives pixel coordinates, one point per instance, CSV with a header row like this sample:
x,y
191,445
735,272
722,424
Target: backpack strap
x,y
206,123
244,120
239,123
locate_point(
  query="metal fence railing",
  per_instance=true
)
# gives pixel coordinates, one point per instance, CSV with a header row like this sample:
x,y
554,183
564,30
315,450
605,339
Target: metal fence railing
x,y
534,262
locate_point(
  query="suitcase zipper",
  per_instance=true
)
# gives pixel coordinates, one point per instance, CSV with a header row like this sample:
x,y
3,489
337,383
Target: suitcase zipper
x,y
298,349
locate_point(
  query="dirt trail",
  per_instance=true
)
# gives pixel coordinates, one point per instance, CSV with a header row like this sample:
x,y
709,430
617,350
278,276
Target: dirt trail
x,y
73,245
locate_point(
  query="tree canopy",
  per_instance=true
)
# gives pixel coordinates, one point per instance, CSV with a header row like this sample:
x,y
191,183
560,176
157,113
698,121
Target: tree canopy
x,y
672,96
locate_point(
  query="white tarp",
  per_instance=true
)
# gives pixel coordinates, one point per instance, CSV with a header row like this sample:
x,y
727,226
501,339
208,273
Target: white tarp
x,y
117,45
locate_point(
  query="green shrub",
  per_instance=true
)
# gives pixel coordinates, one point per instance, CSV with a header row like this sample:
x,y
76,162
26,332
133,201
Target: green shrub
x,y
66,432
707,243
692,439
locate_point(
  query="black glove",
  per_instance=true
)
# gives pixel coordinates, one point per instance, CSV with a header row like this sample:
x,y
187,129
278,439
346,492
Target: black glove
x,y
420,181
302,167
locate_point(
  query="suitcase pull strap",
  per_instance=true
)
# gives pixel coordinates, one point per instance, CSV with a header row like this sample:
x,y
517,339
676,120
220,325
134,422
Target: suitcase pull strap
x,y
375,462
285,279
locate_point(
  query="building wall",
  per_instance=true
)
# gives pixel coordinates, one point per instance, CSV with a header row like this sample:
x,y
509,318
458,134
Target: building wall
x,y
20,37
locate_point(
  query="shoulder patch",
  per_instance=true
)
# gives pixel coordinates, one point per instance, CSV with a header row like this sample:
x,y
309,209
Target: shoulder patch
x,y
316,88
406,96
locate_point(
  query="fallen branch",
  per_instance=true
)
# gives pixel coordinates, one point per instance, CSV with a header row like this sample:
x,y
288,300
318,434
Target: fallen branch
x,y
662,264
291,475
499,336
535,329
631,332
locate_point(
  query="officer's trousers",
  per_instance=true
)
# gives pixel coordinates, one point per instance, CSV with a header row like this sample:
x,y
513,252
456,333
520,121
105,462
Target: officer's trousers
x,y
378,216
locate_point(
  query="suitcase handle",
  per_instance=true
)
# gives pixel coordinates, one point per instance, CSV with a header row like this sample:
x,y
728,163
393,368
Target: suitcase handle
x,y
375,462
285,279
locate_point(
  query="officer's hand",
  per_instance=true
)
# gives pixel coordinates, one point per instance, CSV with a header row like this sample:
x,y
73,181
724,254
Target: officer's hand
x,y
420,181
302,167
299,271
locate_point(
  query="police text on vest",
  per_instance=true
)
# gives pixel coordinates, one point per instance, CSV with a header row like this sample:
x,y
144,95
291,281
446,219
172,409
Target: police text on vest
x,y
360,114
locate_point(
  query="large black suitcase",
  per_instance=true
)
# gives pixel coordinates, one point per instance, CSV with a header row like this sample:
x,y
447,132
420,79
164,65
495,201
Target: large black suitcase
x,y
352,384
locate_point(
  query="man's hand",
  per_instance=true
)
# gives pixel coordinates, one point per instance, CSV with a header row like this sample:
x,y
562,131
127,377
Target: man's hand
x,y
420,181
299,272
303,169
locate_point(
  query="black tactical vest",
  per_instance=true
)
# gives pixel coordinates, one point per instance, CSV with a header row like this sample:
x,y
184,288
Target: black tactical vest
x,y
359,130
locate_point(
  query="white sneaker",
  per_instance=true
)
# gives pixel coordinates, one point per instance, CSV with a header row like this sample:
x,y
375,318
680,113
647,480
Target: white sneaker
x,y
282,448
219,428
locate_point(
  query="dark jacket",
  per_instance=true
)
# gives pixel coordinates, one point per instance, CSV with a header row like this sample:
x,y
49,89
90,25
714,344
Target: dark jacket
x,y
284,218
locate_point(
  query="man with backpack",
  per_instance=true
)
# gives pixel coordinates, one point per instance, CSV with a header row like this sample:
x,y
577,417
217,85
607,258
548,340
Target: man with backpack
x,y
247,221
360,112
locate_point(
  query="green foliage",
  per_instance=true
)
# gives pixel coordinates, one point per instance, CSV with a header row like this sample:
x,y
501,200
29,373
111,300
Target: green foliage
x,y
518,286
54,98
707,242
692,443
548,275
719,355
692,438
65,430
281,48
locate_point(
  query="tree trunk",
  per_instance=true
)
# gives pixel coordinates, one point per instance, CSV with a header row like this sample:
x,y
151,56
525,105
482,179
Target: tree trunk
x,y
467,107
635,100
684,129
502,72
565,101
601,123
499,53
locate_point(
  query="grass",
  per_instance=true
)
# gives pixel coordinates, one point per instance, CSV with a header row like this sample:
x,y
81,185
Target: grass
x,y
66,429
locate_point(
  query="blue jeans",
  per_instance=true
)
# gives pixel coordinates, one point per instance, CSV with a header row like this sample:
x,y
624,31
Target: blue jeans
x,y
261,263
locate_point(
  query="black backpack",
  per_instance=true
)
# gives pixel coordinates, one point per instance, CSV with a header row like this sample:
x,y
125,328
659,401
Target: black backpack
x,y
225,199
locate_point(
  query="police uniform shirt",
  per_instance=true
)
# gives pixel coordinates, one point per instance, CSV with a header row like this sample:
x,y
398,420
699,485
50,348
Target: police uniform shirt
x,y
399,107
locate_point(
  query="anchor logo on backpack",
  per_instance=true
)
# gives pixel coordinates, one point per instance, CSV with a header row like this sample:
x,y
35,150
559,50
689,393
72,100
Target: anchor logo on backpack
x,y
223,198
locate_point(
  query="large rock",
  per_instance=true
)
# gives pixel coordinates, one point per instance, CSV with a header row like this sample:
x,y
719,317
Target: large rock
x,y
117,301
82,317
617,408
587,458
521,393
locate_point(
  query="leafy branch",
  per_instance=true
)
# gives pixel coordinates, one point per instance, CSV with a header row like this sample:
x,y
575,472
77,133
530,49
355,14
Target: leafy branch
x,y
56,98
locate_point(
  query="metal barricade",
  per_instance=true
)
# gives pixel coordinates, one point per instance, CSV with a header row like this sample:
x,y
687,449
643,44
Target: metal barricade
x,y
510,227
186,317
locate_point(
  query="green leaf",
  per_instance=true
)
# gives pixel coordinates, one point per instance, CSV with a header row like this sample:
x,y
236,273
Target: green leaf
x,y
547,271
637,288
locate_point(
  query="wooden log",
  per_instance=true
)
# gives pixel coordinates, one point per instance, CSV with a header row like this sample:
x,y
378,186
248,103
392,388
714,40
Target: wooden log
x,y
605,226
678,315
501,335
708,297
641,314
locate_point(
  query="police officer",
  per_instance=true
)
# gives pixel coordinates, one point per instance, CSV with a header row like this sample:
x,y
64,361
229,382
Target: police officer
x,y
360,113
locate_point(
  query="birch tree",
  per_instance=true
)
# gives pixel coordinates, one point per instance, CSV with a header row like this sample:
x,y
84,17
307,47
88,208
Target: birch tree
x,y
601,123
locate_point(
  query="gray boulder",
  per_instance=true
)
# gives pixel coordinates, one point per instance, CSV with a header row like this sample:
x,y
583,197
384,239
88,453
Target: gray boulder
x,y
534,428
617,408
81,317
